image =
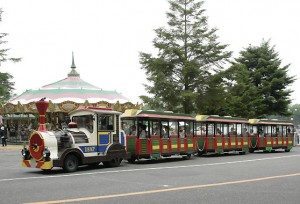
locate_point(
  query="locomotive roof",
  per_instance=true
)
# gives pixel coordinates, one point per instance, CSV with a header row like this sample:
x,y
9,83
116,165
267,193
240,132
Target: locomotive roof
x,y
95,110
269,122
134,113
217,118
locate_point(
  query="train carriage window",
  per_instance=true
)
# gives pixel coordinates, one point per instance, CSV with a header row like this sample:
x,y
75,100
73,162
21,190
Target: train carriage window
x,y
253,130
155,128
232,130
210,129
182,129
239,129
218,129
200,128
143,129
268,130
274,131
279,130
189,126
105,122
129,127
165,129
284,130
173,128
245,129
225,130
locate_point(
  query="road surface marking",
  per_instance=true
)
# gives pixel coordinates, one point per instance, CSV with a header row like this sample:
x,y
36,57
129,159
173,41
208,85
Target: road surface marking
x,y
165,190
145,169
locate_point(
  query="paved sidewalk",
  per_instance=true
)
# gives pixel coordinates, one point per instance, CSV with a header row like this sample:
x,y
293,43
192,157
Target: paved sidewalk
x,y
11,147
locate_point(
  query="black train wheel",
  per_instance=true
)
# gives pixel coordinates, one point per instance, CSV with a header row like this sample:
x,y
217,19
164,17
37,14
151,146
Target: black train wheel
x,y
113,163
70,163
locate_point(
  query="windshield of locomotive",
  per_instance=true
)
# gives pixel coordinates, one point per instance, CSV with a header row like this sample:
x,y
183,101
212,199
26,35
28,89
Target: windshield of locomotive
x,y
84,121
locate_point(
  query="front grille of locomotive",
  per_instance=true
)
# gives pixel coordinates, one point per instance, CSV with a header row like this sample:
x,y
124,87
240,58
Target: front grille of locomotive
x,y
36,146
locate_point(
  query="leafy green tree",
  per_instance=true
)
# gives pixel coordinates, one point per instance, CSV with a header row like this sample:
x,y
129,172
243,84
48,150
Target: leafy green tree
x,y
257,84
188,57
6,86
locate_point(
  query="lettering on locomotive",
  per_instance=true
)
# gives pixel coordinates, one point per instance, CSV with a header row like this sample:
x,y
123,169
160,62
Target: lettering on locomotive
x,y
89,149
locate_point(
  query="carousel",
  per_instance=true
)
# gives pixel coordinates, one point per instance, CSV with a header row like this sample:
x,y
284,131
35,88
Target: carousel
x,y
20,115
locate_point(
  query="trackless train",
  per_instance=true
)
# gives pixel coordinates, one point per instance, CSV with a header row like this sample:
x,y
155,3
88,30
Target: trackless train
x,y
93,136
101,135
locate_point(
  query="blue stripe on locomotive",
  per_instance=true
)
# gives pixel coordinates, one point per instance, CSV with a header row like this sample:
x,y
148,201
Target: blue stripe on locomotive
x,y
92,149
104,139
122,138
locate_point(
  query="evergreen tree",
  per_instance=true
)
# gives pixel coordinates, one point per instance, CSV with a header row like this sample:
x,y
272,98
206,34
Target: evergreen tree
x,y
6,86
259,84
188,56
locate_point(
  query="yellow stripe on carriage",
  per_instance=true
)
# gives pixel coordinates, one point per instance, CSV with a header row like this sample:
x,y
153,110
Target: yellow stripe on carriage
x,y
219,144
165,146
245,143
268,143
174,146
190,145
156,147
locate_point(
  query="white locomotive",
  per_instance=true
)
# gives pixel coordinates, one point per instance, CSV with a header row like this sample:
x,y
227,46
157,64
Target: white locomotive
x,y
94,135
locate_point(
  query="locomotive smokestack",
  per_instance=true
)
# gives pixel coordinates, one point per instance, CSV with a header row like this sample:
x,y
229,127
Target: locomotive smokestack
x,y
42,106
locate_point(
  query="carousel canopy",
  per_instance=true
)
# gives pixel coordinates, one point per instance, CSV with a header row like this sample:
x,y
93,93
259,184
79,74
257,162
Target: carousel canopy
x,y
66,95
72,88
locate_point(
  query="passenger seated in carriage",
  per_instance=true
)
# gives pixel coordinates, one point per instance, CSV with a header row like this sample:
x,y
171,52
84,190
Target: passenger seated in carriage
x,y
245,132
181,133
218,132
165,132
142,132
132,130
232,131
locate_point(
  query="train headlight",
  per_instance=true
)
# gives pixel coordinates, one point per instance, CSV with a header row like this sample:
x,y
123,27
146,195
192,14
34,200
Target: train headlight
x,y
25,153
46,154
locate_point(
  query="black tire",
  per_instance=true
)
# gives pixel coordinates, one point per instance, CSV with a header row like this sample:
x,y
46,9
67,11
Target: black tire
x,y
94,165
70,163
113,163
131,160
186,157
46,171
251,150
287,150
200,153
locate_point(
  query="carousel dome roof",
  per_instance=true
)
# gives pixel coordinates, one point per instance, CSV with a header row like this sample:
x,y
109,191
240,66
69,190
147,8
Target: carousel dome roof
x,y
72,88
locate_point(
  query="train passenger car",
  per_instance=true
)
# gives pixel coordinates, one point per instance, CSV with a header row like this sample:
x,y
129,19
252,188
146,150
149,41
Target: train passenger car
x,y
154,135
269,135
93,136
219,134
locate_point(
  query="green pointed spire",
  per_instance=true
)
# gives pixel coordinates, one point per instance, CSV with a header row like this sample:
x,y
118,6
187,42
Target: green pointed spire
x,y
73,72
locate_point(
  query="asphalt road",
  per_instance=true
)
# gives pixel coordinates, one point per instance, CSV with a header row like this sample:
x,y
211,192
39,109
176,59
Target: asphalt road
x,y
252,178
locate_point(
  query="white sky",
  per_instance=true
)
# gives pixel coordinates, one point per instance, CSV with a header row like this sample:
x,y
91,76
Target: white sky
x,y
107,36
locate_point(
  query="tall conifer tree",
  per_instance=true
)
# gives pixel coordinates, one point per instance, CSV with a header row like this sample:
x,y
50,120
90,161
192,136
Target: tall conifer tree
x,y
260,84
188,56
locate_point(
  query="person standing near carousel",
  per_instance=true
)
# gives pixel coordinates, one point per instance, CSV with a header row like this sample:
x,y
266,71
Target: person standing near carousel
x,y
3,136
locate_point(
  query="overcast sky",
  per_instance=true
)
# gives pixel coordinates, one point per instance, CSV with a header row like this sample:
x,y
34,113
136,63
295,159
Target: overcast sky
x,y
107,36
